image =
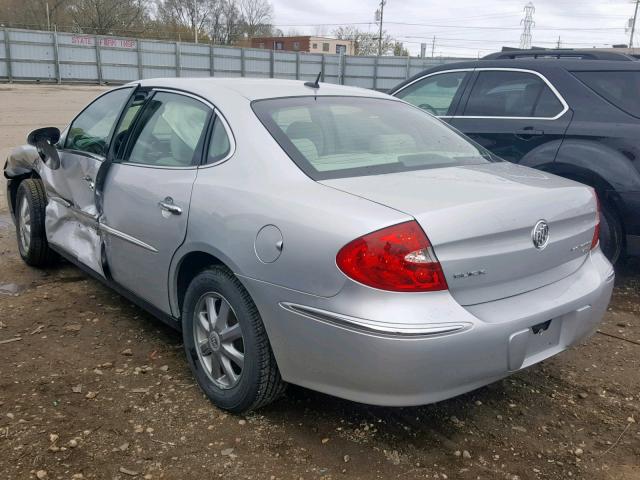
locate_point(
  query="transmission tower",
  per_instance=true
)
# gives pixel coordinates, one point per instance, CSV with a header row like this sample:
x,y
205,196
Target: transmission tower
x,y
527,22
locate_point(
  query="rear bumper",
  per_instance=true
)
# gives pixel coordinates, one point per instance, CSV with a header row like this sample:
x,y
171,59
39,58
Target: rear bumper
x,y
400,352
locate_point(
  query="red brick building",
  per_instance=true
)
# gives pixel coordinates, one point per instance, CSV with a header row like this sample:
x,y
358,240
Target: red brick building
x,y
307,44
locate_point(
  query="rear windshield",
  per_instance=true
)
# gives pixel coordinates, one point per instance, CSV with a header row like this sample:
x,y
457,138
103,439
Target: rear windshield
x,y
335,137
620,88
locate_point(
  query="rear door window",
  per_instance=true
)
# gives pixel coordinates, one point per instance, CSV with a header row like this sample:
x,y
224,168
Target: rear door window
x,y
512,94
169,132
620,88
436,93
219,145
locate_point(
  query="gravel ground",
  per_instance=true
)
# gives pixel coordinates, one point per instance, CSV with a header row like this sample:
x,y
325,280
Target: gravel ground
x,y
93,387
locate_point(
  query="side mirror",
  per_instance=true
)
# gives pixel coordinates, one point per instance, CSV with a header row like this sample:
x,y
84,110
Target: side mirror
x,y
44,139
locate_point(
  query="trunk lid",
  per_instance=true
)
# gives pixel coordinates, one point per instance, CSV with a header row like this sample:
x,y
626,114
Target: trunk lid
x,y
480,220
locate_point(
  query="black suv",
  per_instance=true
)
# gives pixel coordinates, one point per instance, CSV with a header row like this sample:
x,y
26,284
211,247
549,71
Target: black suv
x,y
574,114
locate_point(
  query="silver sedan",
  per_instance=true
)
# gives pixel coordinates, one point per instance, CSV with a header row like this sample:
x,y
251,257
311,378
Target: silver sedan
x,y
326,236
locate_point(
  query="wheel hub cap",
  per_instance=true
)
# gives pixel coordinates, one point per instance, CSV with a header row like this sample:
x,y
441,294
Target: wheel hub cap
x,y
218,340
214,341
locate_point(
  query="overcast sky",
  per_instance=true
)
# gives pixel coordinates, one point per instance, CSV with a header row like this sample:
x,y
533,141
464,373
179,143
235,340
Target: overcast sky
x,y
466,27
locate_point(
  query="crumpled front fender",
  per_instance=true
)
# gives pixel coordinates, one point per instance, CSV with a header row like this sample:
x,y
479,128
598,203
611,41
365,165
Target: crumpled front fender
x,y
22,160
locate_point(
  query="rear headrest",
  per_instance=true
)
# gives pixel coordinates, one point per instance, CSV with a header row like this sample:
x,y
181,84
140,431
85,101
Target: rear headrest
x,y
393,143
308,130
307,148
525,103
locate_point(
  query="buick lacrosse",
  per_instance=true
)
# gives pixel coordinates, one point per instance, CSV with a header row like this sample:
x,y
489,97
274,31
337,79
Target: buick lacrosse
x,y
321,235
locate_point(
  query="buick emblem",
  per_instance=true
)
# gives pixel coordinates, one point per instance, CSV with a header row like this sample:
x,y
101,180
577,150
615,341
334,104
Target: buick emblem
x,y
540,235
214,341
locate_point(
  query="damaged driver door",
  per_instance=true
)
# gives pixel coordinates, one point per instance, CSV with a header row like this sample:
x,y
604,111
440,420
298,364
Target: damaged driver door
x,y
71,219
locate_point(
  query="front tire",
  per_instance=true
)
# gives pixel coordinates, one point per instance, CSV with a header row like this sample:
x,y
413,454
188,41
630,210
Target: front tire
x,y
31,202
226,344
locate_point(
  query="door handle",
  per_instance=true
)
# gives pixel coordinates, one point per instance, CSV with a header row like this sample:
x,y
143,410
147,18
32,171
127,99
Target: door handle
x,y
168,206
528,133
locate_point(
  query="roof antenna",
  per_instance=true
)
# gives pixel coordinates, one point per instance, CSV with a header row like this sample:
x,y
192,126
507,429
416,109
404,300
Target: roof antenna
x,y
315,84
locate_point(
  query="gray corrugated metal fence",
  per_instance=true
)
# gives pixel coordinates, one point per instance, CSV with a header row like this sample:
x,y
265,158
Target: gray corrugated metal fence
x,y
29,55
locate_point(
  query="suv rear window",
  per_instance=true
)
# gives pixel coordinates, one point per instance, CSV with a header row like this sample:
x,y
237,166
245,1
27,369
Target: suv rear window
x,y
335,137
512,94
620,88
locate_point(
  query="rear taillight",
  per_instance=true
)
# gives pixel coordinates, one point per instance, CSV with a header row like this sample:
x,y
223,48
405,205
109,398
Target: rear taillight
x,y
596,231
397,258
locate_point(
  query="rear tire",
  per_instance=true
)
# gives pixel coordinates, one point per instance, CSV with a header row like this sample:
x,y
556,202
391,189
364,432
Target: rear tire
x,y
31,202
226,344
611,237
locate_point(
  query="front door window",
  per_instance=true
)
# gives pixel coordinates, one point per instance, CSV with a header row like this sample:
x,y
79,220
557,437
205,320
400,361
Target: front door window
x,y
170,131
436,93
91,130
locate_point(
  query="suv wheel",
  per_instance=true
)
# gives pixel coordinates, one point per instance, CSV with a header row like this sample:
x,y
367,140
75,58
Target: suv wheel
x,y
611,239
31,201
226,344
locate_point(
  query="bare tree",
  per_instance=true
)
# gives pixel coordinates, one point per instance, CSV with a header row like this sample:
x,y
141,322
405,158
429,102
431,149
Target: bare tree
x,y
33,13
257,17
221,21
224,24
195,15
105,17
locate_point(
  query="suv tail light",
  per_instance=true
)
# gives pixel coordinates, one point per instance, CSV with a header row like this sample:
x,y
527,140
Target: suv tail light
x,y
397,258
596,231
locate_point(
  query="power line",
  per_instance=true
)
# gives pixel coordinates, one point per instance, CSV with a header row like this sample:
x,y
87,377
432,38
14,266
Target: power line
x,y
484,40
470,27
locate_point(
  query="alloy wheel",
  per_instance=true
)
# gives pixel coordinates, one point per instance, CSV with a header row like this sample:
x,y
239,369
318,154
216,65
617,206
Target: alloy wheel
x,y
219,340
25,224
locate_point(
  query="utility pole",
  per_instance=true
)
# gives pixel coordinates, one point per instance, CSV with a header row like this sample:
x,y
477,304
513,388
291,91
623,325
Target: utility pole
x,y
379,18
195,25
527,22
433,46
559,46
633,25
194,4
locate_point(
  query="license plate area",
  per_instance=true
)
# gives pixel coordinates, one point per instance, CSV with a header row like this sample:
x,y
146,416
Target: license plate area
x,y
540,328
534,344
543,336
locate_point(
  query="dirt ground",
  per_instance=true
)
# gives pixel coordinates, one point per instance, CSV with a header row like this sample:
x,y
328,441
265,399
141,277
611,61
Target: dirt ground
x,y
93,387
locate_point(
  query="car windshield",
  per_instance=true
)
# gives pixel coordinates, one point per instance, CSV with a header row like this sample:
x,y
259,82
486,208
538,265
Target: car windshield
x,y
335,137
